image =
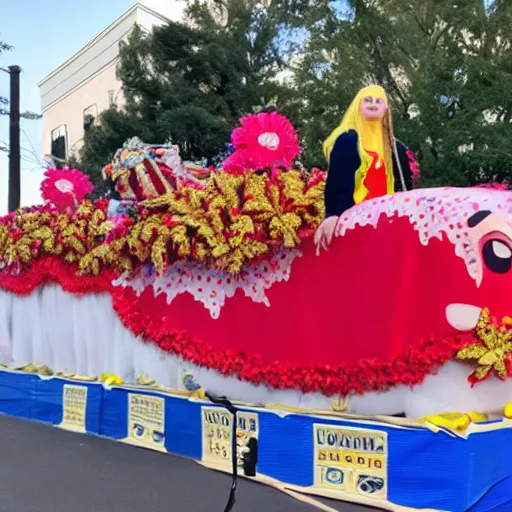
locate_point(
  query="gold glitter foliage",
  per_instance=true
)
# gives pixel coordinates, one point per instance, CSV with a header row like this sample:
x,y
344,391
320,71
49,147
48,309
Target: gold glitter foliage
x,y
226,223
492,352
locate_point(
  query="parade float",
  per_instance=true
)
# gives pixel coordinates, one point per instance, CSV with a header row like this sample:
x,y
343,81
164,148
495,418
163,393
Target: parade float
x,y
377,371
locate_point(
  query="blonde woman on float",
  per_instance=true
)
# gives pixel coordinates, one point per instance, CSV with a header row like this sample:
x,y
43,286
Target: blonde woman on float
x,y
365,160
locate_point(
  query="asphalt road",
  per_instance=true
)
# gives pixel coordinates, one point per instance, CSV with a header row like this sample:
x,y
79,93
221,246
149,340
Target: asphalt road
x,y
45,469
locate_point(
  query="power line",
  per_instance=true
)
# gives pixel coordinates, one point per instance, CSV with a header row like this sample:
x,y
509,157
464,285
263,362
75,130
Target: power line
x,y
4,146
35,153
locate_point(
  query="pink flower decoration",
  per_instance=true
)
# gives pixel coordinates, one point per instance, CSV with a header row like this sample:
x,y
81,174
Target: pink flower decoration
x,y
242,161
235,164
120,226
413,164
263,140
65,188
495,186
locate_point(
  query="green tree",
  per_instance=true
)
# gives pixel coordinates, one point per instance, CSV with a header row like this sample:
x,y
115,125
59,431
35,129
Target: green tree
x,y
191,83
446,65
465,141
347,45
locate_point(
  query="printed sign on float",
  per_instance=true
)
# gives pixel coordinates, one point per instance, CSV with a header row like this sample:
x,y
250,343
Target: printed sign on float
x,y
351,460
146,421
217,432
74,406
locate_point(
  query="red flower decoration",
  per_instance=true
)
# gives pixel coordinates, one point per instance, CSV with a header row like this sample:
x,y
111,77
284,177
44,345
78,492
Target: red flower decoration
x,y
263,140
65,188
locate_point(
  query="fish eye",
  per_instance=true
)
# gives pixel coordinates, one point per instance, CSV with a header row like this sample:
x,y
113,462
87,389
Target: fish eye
x,y
368,100
497,256
379,101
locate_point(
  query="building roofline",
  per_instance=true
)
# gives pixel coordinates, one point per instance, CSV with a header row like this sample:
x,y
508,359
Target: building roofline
x,y
101,35
70,91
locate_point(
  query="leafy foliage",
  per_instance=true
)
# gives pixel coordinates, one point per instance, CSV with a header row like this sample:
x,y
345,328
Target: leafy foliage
x,y
446,64
192,83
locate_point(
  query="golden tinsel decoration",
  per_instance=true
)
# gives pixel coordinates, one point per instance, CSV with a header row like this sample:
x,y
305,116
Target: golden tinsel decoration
x,y
492,351
229,222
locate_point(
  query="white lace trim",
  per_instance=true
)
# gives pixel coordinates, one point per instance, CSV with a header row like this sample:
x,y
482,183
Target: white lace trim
x,y
433,212
212,286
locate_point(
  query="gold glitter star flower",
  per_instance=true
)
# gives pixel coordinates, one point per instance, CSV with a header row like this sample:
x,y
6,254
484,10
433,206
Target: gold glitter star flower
x,y
492,351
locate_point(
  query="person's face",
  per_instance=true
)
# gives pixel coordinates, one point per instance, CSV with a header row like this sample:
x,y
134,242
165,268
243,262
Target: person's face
x,y
373,108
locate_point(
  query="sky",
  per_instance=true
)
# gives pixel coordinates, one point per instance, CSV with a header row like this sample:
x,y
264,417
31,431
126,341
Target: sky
x,y
44,34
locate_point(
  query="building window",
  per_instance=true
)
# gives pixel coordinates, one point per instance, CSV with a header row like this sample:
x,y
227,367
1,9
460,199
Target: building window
x,y
60,142
111,99
90,115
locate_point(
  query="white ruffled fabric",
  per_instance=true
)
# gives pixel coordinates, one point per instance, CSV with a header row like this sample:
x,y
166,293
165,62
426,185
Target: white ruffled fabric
x,y
83,335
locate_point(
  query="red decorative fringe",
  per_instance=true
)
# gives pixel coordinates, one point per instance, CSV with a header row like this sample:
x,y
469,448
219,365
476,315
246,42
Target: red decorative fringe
x,y
52,269
367,375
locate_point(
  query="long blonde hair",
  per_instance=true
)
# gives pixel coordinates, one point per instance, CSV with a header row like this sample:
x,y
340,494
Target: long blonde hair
x,y
353,120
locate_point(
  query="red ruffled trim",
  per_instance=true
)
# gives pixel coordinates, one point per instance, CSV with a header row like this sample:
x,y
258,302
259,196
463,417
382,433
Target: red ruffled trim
x,y
51,269
367,375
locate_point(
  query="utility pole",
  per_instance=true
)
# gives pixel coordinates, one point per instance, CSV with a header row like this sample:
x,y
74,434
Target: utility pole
x,y
14,140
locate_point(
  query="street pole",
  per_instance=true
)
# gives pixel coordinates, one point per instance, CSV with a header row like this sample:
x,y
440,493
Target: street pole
x,y
14,140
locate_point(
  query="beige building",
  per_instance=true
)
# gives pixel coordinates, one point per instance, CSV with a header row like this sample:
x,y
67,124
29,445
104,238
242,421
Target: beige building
x,y
75,93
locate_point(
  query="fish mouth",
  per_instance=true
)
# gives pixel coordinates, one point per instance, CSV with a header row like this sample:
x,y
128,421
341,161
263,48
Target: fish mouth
x,y
463,317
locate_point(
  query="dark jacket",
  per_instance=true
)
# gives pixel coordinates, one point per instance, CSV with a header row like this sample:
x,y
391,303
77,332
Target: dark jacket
x,y
343,164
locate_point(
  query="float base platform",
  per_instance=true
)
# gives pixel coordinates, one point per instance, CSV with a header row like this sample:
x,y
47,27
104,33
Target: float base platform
x,y
387,463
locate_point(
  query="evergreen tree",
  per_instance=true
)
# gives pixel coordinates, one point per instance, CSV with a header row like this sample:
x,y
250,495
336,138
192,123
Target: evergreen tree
x,y
462,92
347,45
446,65
191,83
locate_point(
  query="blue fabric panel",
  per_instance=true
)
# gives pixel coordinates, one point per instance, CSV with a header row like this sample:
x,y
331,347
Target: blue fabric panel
x,y
17,394
425,469
114,416
496,498
48,400
183,434
48,404
287,450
